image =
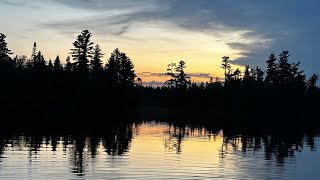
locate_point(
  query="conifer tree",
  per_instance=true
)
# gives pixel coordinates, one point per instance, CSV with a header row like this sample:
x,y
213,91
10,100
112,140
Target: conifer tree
x,y
271,73
225,66
50,66
34,50
57,64
82,51
39,63
68,66
120,69
178,78
96,62
4,51
312,83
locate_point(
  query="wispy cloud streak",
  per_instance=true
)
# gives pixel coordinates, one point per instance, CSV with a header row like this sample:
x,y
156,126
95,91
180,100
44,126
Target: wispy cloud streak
x,y
153,74
262,26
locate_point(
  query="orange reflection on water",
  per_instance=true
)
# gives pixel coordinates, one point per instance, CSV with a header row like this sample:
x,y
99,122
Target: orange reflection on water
x,y
156,151
163,145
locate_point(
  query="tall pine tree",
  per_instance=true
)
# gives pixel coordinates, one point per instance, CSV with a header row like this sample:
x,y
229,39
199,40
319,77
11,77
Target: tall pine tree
x,y
284,68
120,69
178,78
50,66
271,73
82,51
57,65
34,50
39,63
6,64
225,66
96,62
4,51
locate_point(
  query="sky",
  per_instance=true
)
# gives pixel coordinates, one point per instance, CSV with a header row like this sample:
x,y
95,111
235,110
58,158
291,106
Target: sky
x,y
154,33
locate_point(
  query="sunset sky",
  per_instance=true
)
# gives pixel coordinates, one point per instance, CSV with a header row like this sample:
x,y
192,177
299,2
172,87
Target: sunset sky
x,y
155,33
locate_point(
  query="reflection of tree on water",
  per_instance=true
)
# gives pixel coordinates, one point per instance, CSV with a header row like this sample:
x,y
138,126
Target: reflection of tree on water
x,y
309,139
118,141
2,144
65,142
54,143
35,144
51,141
178,132
277,144
80,148
114,139
93,145
78,156
175,137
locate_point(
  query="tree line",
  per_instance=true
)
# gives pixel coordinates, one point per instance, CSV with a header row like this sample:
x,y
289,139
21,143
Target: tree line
x,y
87,59
49,89
85,88
280,73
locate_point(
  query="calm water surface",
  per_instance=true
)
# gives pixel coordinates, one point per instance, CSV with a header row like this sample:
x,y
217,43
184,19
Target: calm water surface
x,y
159,151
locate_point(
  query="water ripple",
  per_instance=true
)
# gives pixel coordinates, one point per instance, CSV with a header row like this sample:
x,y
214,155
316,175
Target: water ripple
x,y
159,151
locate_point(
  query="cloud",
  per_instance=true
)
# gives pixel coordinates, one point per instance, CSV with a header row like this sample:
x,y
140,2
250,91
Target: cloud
x,y
153,74
108,17
105,5
199,75
263,26
14,2
153,83
35,4
150,74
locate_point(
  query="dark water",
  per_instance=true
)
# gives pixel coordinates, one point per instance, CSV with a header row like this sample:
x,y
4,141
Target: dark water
x,y
160,151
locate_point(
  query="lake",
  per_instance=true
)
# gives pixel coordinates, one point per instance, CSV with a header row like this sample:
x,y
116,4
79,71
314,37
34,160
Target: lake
x,y
152,150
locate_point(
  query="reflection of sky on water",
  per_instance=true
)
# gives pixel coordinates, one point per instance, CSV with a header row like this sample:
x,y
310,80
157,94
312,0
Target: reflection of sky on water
x,y
155,151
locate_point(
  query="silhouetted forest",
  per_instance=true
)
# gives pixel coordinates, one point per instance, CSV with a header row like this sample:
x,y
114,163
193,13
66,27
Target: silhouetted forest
x,y
85,89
